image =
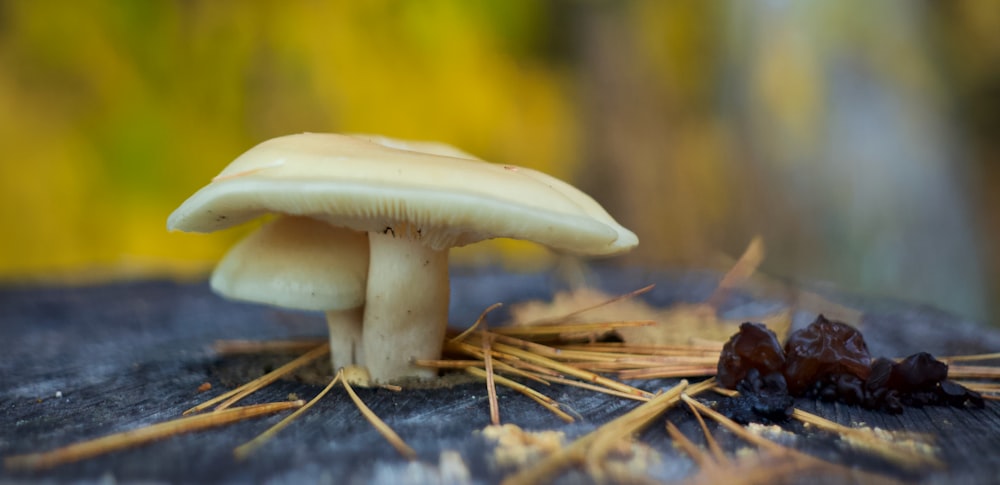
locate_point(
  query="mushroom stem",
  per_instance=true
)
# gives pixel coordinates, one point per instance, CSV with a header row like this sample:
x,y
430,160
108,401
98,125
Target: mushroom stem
x,y
406,313
345,337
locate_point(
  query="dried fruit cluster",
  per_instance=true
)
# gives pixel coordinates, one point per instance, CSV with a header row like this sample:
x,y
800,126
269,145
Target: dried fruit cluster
x,y
829,360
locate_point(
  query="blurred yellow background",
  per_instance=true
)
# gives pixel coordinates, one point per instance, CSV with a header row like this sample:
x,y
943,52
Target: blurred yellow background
x,y
856,137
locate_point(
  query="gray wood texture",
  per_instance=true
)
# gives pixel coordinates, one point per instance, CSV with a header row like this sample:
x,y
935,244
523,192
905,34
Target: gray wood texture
x,y
130,354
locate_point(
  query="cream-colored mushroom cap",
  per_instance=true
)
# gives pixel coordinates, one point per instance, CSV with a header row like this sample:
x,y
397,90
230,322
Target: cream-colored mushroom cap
x,y
368,185
432,147
296,262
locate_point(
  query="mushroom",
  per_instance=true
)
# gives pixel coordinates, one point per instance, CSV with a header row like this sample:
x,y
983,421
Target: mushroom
x,y
414,205
305,264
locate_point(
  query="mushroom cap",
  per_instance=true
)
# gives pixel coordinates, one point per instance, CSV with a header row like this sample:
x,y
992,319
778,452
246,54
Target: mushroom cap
x,y
370,184
296,262
431,147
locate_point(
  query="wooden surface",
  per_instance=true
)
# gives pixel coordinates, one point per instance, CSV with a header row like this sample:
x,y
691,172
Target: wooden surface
x,y
131,354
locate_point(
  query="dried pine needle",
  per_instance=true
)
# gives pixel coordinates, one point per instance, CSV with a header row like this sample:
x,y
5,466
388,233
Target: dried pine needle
x,y
215,400
646,362
969,358
713,446
491,389
244,450
725,392
479,321
912,453
136,437
516,368
261,382
701,458
981,386
736,428
595,388
569,316
973,372
538,397
630,423
559,328
240,347
619,348
548,351
477,352
513,367
802,460
740,272
445,363
570,370
603,438
988,390
380,425
669,371
510,360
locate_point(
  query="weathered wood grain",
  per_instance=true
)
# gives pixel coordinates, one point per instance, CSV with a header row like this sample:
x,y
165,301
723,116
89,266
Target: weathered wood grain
x,y
130,354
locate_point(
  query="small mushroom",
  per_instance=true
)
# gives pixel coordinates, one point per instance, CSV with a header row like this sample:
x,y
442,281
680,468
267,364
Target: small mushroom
x,y
414,205
305,264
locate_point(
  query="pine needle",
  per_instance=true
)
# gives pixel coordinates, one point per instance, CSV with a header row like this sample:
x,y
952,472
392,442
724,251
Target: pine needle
x,y
595,388
491,389
911,455
505,368
701,458
717,453
969,358
569,316
482,318
802,459
630,423
547,351
261,382
622,348
380,425
735,428
511,360
242,347
973,372
560,328
570,370
545,401
725,392
215,400
740,272
644,363
992,387
669,371
244,450
136,437
603,437
445,363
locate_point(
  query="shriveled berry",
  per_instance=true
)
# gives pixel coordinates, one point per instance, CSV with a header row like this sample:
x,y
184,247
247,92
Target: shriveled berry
x,y
824,349
753,347
918,372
